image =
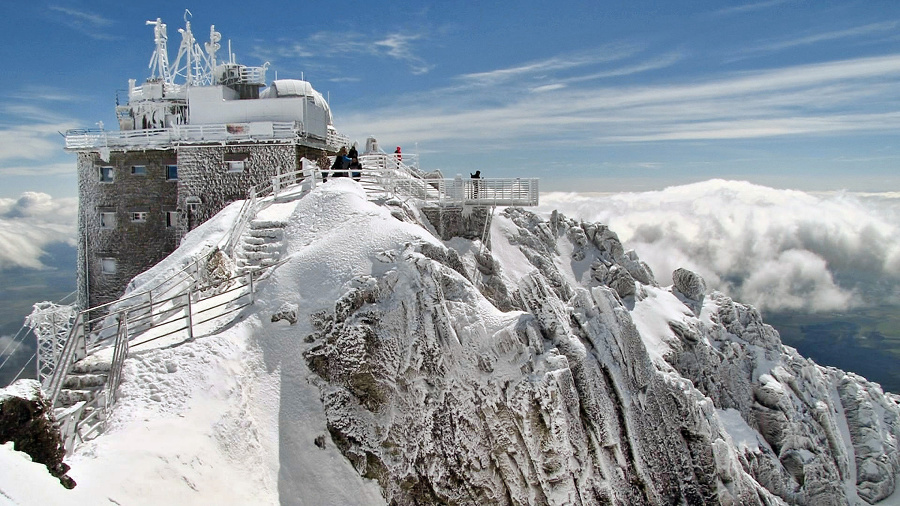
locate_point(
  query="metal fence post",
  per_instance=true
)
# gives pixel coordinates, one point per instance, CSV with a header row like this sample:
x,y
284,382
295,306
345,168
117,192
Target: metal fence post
x,y
190,319
250,276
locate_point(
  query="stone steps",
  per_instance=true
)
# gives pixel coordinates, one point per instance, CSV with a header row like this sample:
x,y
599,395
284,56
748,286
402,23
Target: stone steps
x,y
85,381
261,245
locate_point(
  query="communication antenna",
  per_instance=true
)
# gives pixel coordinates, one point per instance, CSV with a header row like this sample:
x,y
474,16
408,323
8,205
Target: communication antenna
x,y
159,62
196,69
213,45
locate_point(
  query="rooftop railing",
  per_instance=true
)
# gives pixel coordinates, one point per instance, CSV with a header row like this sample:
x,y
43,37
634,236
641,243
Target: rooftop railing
x,y
167,137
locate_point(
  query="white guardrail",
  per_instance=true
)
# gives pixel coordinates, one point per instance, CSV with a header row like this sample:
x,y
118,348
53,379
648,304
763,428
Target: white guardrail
x,y
164,137
473,192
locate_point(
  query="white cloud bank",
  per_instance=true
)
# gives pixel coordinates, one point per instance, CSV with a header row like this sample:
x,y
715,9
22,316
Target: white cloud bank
x,y
30,223
776,249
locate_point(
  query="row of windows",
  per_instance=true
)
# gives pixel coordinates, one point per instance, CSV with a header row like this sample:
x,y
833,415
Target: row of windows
x,y
234,162
108,218
108,173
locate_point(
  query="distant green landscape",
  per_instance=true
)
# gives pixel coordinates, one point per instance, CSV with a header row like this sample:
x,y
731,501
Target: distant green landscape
x,y
865,340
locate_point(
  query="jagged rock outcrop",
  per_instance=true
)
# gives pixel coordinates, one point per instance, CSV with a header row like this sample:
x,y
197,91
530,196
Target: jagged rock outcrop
x,y
689,284
433,391
26,419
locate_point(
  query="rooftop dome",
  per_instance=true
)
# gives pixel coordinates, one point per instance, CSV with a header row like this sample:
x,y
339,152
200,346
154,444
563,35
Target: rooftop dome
x,y
296,88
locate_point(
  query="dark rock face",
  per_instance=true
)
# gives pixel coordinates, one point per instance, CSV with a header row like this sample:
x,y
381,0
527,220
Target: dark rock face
x,y
443,398
26,420
690,284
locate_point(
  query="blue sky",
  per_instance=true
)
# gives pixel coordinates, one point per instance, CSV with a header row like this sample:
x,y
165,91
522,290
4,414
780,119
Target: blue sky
x,y
588,96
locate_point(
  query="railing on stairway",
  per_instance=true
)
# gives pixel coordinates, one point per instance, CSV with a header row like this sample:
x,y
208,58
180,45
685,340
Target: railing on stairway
x,y
65,360
183,312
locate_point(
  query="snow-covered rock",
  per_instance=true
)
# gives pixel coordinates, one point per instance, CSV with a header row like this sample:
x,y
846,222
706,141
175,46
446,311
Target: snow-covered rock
x,y
551,368
26,421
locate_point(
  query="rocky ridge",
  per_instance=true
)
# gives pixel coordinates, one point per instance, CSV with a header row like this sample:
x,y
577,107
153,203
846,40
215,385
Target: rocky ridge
x,y
571,395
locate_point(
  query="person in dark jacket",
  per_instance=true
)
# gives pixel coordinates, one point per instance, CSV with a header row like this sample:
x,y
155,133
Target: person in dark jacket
x,y
356,169
341,162
353,152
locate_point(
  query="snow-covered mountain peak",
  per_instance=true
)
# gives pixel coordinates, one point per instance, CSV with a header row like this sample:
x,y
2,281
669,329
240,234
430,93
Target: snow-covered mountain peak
x,y
380,364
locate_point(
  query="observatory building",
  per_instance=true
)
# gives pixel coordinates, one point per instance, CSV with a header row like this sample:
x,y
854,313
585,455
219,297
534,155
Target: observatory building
x,y
195,136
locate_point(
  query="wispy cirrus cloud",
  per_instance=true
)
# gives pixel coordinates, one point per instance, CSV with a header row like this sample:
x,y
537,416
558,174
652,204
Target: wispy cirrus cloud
x,y
340,45
30,141
813,99
884,27
399,46
750,7
47,93
567,62
86,22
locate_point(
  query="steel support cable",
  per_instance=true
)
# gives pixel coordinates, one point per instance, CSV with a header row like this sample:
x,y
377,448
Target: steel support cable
x,y
13,352
12,341
33,355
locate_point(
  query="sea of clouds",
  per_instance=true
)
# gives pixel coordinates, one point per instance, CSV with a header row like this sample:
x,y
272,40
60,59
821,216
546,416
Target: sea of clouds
x,y
776,249
30,223
780,250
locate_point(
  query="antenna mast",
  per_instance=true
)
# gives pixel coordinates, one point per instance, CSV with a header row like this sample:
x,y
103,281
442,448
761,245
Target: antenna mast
x,y
196,70
159,62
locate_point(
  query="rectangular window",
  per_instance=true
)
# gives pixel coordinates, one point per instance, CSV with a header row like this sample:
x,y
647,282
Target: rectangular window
x,y
235,165
236,162
171,172
108,265
107,219
139,216
107,174
138,170
171,219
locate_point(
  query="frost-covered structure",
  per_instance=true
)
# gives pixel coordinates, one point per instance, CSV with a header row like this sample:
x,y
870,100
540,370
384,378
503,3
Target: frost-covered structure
x,y
196,135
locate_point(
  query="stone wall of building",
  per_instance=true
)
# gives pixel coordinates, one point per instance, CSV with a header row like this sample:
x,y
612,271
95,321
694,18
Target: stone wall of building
x,y
206,186
110,253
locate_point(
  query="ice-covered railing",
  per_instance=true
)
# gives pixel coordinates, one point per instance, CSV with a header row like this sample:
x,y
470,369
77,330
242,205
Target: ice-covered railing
x,y
471,192
152,320
335,140
94,326
166,137
408,163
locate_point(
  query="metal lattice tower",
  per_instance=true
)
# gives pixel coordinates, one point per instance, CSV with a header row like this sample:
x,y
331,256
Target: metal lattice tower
x,y
50,323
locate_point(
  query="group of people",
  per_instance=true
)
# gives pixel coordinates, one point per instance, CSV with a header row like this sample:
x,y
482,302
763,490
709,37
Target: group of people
x,y
346,163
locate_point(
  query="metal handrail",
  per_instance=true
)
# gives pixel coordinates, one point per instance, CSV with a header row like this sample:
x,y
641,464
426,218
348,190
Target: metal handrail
x,y
82,138
66,359
71,420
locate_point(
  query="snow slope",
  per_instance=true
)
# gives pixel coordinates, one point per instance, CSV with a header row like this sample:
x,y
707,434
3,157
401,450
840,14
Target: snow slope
x,y
402,382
